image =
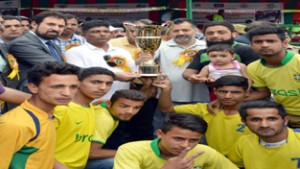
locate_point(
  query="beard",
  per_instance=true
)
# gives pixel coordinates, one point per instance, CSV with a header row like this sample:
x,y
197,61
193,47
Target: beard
x,y
46,35
229,42
184,40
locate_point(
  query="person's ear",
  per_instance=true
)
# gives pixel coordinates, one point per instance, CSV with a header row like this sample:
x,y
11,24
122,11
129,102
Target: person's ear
x,y
234,34
108,104
159,133
285,43
32,88
286,120
215,91
233,56
33,25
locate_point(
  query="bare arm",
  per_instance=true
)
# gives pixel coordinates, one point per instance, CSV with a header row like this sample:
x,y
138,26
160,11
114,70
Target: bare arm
x,y
96,151
245,74
188,73
258,93
125,76
164,102
58,165
203,76
14,96
192,76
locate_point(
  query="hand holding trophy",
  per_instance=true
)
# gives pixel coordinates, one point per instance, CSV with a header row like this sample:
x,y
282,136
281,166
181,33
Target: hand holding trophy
x,y
148,39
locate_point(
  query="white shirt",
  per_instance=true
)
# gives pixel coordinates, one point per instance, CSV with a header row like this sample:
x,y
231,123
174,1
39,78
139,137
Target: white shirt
x,y
88,55
182,90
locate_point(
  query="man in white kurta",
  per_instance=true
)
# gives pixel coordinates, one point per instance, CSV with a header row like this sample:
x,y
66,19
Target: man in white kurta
x,y
175,55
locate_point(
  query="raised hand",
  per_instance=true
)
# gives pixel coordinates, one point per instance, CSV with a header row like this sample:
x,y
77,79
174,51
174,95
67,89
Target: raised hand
x,y
181,161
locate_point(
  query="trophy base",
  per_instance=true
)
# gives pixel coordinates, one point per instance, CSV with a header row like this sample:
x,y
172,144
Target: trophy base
x,y
149,70
149,75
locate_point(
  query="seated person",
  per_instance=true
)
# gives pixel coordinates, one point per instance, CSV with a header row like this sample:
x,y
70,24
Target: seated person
x,y
176,148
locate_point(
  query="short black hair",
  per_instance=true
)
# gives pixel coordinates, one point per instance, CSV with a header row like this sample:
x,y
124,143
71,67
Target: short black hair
x,y
232,80
264,30
220,47
185,121
24,18
219,23
71,16
92,24
261,104
39,18
144,21
129,94
38,72
87,72
10,17
178,21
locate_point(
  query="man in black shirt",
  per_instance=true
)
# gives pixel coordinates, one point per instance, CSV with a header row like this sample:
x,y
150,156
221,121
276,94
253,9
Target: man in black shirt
x,y
218,32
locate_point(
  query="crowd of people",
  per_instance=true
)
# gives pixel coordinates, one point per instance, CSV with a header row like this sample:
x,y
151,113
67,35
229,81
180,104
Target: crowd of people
x,y
72,97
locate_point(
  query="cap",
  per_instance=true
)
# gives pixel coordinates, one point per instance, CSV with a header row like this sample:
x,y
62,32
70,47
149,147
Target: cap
x,y
239,28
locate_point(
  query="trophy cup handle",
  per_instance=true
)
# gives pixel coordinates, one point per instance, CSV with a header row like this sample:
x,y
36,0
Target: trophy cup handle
x,y
128,24
167,24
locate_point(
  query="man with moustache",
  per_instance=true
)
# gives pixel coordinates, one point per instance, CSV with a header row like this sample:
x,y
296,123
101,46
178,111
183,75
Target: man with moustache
x,y
11,29
36,46
68,39
272,145
175,55
218,32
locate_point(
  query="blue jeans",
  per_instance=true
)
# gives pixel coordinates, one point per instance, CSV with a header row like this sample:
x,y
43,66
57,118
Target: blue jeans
x,y
106,163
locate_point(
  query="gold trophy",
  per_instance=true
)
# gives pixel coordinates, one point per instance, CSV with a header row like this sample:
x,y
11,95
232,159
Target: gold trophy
x,y
148,39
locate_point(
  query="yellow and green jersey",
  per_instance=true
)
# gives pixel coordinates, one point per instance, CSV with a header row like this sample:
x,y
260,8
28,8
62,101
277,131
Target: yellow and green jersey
x,y
283,81
250,154
27,138
105,124
75,126
223,130
146,155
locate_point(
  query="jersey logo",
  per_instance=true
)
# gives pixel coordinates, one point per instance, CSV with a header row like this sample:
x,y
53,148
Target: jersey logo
x,y
297,160
78,122
83,137
241,128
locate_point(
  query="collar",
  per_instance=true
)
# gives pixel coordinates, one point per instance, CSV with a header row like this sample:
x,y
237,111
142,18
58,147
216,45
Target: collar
x,y
288,56
41,39
155,148
126,43
172,43
74,37
35,110
92,47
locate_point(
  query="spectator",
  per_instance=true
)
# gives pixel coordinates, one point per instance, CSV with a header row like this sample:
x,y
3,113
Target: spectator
x,y
68,39
36,46
11,29
26,23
